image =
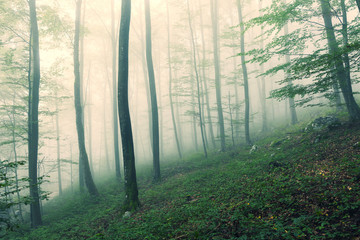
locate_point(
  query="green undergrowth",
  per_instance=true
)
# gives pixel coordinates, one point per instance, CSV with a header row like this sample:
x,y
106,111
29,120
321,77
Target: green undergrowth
x,y
294,186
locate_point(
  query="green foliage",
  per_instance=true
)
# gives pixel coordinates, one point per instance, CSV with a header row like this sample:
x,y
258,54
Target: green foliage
x,y
290,188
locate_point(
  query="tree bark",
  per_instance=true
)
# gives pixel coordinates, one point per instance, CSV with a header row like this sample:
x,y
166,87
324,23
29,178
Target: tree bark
x,y
358,4
262,86
343,78
245,75
197,81
115,107
206,89
33,120
292,108
170,84
58,142
154,107
214,18
131,190
83,161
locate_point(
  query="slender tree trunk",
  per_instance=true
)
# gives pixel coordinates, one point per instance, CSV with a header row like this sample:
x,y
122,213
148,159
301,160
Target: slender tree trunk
x,y
193,115
154,107
197,81
245,75
343,78
105,133
58,142
345,39
89,115
231,121
262,80
131,190
84,162
33,131
206,89
170,83
16,160
71,169
358,4
147,88
161,118
214,18
115,107
292,107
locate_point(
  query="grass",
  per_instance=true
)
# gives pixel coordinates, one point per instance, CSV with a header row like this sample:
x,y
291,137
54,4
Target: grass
x,y
290,188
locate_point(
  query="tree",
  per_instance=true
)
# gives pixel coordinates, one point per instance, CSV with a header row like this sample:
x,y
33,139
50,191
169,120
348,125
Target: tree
x,y
293,114
170,83
154,107
245,74
358,4
83,161
335,53
197,80
214,19
131,191
33,117
115,107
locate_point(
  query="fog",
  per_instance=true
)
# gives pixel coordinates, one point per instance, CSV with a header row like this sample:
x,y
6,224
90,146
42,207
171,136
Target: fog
x,y
56,24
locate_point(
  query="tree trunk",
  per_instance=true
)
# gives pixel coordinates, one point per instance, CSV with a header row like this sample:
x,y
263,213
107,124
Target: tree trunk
x,y
89,99
197,81
115,107
16,160
358,4
131,190
206,90
214,19
231,121
262,86
58,142
105,133
343,78
33,122
170,83
245,75
154,107
83,162
292,108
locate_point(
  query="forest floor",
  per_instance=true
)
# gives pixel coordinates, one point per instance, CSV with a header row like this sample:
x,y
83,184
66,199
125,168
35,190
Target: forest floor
x,y
296,185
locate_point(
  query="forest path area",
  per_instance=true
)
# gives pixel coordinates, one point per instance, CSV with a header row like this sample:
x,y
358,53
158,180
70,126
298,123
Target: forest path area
x,y
302,185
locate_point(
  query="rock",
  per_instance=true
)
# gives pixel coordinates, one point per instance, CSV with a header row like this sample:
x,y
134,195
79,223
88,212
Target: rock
x,y
272,155
356,145
329,122
127,214
253,149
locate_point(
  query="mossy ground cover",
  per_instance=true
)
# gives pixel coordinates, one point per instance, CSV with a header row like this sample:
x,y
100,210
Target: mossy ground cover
x,y
295,186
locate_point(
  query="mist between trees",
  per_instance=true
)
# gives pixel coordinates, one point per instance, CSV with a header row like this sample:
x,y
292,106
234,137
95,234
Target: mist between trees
x,y
198,76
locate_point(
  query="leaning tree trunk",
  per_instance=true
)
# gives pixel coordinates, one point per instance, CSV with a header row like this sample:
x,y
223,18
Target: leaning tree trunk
x,y
154,107
358,4
214,18
33,120
131,190
245,75
343,79
83,161
197,81
115,107
170,84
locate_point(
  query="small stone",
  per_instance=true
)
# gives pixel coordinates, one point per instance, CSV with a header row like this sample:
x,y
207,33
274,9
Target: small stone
x,y
127,214
253,149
